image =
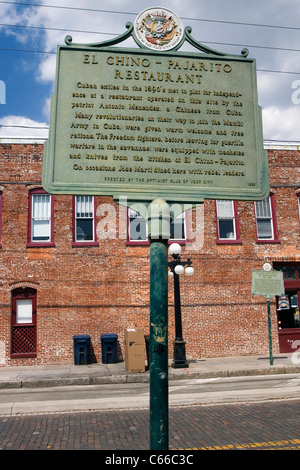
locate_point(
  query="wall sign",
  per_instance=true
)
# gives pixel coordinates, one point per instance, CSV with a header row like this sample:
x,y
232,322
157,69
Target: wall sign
x,y
283,302
267,283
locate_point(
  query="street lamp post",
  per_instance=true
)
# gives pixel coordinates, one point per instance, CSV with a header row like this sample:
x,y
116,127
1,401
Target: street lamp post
x,y
176,268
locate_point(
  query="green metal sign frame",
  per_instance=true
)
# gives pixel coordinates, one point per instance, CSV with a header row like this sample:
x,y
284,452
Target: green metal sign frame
x,y
177,125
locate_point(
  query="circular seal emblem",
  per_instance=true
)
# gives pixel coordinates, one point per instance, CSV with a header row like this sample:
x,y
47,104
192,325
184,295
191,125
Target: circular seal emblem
x,y
158,28
267,267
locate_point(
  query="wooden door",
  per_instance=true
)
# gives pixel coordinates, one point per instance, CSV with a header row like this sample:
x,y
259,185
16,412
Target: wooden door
x,y
23,332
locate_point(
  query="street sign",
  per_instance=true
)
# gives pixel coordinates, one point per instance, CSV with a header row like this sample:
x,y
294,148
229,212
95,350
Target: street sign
x,y
267,283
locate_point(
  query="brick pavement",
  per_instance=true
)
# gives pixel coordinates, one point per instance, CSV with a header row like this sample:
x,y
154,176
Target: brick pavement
x,y
265,425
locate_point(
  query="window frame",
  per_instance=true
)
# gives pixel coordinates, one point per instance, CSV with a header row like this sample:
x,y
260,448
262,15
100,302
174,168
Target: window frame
x,y
226,241
274,238
31,243
81,243
131,241
185,225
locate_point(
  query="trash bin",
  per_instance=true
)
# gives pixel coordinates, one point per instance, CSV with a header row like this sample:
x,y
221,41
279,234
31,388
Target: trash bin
x,y
109,348
81,349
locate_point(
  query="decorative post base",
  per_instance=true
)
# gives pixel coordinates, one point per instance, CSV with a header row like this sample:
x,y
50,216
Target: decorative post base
x,y
179,357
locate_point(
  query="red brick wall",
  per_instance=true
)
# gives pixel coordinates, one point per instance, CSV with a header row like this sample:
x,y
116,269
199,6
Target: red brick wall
x,y
105,288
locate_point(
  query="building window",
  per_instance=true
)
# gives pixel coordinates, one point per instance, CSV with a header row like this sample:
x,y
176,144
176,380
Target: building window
x,y
138,230
23,336
137,227
23,311
40,229
178,228
288,304
227,224
265,220
84,224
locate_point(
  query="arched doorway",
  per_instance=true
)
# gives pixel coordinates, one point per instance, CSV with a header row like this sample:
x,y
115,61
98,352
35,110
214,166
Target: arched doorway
x,y
23,328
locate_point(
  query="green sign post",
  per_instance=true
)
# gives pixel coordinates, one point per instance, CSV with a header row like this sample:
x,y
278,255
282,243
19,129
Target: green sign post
x,y
151,123
158,228
268,283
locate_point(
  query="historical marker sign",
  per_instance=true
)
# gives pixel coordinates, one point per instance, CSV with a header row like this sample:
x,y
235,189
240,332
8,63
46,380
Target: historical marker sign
x,y
267,283
146,124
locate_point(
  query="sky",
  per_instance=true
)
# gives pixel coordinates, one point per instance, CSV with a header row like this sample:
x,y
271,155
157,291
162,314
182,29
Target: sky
x,y
31,30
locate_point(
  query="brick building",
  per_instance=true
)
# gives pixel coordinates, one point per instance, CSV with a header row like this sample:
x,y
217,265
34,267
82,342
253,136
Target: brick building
x,y
71,265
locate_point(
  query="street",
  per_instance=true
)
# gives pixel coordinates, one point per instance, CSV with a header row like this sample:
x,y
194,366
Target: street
x,y
261,412
256,426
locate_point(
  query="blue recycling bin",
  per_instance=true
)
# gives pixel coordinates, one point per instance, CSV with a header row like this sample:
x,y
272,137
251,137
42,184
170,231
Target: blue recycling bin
x,y
81,349
109,348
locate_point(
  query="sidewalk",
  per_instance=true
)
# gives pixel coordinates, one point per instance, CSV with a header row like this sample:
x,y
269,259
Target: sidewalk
x,y
96,374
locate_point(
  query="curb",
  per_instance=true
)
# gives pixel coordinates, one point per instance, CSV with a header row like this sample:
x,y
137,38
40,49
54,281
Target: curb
x,y
141,378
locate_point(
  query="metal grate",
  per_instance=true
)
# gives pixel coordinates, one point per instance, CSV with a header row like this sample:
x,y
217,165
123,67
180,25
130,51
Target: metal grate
x,y
23,339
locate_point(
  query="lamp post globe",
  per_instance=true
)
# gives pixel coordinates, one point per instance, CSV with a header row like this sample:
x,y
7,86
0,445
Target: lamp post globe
x,y
179,269
189,271
175,249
